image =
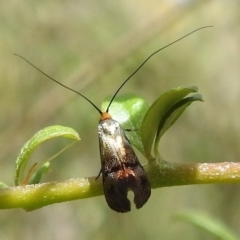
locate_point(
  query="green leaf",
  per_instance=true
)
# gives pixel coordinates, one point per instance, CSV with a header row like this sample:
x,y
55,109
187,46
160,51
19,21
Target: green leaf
x,y
207,223
172,115
37,176
129,110
40,137
155,115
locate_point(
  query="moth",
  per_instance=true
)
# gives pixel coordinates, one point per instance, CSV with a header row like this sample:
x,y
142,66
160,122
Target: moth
x,y
120,168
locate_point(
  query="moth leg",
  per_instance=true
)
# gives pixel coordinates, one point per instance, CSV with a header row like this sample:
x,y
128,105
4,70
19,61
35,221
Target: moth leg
x,y
99,174
131,130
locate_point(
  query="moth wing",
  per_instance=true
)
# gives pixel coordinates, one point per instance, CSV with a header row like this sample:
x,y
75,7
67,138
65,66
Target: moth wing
x,y
115,191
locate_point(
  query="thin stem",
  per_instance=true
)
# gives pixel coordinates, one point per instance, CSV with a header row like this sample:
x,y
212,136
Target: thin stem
x,y
32,197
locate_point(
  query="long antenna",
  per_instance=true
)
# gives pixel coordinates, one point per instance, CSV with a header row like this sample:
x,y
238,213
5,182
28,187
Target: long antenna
x,y
60,83
115,94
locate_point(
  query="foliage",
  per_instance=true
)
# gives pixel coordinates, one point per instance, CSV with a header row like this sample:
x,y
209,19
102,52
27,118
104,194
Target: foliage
x,y
148,127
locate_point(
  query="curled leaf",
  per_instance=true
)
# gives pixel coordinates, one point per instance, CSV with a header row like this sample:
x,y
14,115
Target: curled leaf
x,y
162,114
171,116
40,137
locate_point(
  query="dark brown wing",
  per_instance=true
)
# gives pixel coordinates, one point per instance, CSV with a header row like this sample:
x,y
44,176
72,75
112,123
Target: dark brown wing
x,y
121,171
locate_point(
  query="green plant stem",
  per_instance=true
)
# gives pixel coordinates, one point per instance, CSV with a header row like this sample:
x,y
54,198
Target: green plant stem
x,y
167,174
31,197
175,174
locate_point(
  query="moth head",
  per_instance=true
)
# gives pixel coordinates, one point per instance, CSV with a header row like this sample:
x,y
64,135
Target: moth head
x,y
109,127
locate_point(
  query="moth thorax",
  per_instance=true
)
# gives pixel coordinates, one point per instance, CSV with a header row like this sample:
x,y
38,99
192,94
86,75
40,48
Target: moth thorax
x,y
109,126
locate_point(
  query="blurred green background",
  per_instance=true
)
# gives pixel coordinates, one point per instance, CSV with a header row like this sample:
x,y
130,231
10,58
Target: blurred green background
x,y
92,46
